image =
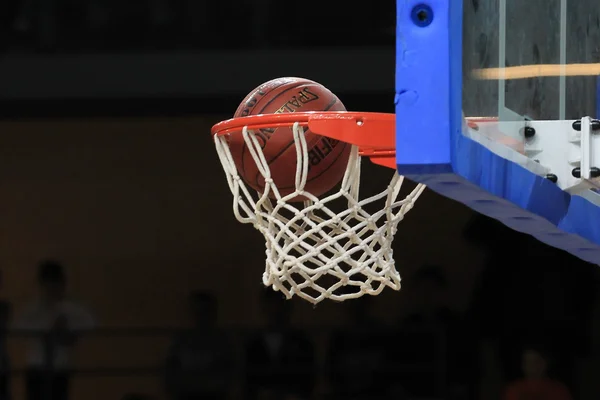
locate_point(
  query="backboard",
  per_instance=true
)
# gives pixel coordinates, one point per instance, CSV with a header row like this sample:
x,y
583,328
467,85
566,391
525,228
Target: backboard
x,y
525,74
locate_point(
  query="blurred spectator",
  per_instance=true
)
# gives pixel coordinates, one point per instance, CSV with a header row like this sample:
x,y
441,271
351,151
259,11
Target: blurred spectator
x,y
199,363
38,19
535,383
280,359
57,324
8,10
161,13
429,306
357,354
23,15
434,343
530,292
5,311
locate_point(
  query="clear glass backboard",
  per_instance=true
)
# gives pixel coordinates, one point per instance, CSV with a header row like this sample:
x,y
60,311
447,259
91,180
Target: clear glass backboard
x,y
531,59
497,107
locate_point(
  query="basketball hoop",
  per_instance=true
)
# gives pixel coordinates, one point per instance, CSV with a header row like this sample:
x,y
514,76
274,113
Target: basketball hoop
x,y
328,247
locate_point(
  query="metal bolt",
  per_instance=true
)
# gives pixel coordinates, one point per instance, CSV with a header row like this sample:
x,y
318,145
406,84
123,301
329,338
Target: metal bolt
x,y
422,15
594,172
528,132
552,178
595,125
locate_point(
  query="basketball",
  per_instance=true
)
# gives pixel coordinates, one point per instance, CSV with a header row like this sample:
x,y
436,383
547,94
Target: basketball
x,y
327,157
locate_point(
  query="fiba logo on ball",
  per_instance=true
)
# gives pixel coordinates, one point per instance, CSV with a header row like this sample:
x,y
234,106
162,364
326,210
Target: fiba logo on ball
x,y
321,151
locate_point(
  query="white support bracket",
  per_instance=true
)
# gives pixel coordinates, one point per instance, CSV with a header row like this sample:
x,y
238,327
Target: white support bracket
x,y
586,158
566,152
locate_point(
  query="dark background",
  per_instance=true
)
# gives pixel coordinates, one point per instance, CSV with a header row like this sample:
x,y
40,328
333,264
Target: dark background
x,y
107,164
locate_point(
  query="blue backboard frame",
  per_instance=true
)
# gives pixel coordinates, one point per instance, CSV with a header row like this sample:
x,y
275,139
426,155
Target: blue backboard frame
x,y
431,149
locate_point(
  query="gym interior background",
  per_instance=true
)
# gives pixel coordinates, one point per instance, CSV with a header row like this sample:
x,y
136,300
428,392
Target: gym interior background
x,y
107,167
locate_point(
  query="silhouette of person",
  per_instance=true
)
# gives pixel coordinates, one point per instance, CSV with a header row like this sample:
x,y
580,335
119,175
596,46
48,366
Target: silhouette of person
x,y
433,341
535,383
357,354
57,324
280,359
5,314
529,291
199,363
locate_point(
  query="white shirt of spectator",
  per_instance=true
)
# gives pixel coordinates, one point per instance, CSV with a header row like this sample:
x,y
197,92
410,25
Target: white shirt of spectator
x,y
40,318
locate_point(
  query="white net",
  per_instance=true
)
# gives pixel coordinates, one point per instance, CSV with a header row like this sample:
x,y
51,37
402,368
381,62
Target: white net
x,y
320,248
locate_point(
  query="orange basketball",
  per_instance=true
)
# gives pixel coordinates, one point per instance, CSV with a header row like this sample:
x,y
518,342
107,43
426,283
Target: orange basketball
x,y
327,157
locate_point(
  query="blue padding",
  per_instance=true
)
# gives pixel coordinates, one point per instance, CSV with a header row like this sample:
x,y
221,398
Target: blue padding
x,y
431,149
420,53
523,201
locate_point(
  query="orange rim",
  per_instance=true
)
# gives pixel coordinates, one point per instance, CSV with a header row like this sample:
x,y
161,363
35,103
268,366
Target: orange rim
x,y
373,133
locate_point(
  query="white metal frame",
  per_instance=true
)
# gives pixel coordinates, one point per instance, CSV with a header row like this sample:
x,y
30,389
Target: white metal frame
x,y
564,151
